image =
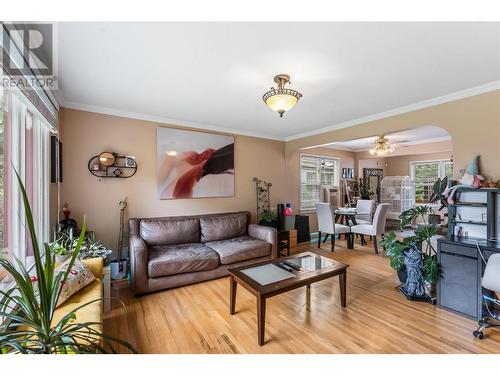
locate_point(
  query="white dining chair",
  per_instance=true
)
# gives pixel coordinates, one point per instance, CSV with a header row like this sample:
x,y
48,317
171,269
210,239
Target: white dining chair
x,y
364,211
376,228
326,223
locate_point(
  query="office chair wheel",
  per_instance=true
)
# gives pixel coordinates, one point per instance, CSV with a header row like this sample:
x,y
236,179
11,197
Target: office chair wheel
x,y
478,334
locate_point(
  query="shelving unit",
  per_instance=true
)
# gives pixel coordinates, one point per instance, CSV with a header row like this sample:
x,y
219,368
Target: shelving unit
x,y
476,212
349,191
123,167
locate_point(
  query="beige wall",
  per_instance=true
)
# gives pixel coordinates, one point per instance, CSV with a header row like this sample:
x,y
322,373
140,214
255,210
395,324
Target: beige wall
x,y
473,123
347,160
397,164
376,163
85,134
400,165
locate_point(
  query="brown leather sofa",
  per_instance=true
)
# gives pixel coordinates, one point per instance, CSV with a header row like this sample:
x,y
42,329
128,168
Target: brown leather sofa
x,y
173,251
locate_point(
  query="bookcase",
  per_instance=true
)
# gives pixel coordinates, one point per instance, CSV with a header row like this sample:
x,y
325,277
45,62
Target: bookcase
x,y
475,212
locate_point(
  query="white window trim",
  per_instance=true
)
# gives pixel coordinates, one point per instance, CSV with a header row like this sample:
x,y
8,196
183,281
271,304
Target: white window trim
x,y
337,178
20,106
441,174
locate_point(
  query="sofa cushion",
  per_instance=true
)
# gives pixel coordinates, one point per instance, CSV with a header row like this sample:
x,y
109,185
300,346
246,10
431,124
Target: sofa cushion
x,y
216,228
176,231
90,313
240,248
173,259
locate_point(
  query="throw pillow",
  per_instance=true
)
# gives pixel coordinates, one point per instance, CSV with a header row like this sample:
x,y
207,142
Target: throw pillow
x,y
78,278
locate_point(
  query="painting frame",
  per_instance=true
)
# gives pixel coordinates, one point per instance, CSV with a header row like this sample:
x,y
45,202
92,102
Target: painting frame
x,y
194,164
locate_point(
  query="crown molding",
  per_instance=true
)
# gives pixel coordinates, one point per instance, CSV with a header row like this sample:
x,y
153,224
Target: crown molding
x,y
164,120
473,91
492,86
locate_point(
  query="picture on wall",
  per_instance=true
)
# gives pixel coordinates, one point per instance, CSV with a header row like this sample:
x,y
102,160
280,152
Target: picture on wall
x,y
194,164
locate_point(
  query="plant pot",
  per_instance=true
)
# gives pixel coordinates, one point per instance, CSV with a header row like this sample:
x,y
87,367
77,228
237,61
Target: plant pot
x,y
402,275
272,223
118,269
431,289
106,261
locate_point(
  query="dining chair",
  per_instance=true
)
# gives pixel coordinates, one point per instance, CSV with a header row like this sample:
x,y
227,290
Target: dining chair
x,y
377,227
364,208
326,223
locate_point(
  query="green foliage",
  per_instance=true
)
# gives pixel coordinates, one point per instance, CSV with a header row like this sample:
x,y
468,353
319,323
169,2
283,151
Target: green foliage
x,y
395,249
27,313
93,248
269,216
431,271
437,192
65,244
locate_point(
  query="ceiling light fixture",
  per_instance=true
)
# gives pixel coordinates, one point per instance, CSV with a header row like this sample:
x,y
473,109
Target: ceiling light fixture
x,y
382,147
281,99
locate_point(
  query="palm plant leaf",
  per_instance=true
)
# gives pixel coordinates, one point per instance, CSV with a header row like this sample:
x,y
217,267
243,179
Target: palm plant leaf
x,y
27,313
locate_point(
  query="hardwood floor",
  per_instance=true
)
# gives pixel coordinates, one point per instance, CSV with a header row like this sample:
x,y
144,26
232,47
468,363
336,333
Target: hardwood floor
x,y
378,319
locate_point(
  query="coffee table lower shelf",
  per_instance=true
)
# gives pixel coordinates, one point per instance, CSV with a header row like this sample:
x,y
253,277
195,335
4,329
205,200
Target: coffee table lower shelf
x,y
301,278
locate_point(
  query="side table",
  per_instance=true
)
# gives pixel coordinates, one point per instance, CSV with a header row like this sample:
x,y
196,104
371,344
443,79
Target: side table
x,y
106,284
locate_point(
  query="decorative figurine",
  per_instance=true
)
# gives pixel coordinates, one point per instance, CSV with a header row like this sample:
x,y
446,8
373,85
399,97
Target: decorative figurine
x,y
414,287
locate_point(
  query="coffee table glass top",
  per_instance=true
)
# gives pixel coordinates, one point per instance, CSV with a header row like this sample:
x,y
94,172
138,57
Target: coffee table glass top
x,y
278,271
311,263
267,274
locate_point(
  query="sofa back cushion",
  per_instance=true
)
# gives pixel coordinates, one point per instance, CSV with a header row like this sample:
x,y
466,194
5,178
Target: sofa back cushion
x,y
170,231
221,227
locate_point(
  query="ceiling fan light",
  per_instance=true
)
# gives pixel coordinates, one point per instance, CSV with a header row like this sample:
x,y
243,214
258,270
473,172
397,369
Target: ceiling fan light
x,y
383,147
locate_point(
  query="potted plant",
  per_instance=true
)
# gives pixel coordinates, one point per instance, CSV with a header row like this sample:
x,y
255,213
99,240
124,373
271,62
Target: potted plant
x,y
269,219
438,189
437,193
63,245
27,312
119,266
398,250
92,248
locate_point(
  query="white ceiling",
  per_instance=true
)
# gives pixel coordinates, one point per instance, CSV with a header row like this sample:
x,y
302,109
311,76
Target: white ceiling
x,y
421,135
213,75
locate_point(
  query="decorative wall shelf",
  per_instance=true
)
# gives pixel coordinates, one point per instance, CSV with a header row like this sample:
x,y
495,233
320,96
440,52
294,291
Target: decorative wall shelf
x,y
122,167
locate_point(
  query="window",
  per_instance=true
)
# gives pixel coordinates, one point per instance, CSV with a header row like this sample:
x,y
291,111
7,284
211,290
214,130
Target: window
x,y
425,174
25,146
315,172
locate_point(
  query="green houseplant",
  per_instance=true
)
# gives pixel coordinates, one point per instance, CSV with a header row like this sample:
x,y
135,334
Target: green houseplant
x,y
65,243
27,313
395,249
269,218
437,193
93,248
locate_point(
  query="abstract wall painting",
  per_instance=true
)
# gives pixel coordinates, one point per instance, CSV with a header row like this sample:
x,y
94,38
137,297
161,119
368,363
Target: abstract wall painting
x,y
194,164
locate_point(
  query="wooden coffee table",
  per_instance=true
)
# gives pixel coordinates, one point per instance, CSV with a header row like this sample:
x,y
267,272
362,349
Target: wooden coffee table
x,y
267,279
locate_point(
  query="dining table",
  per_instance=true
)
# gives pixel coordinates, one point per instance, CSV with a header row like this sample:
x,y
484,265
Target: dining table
x,y
347,216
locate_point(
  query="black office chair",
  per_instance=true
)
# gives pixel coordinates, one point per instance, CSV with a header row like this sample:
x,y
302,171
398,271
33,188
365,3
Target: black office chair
x,y
491,282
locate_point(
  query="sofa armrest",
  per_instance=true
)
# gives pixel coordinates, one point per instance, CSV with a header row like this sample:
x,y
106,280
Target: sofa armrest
x,y
268,234
95,265
138,264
